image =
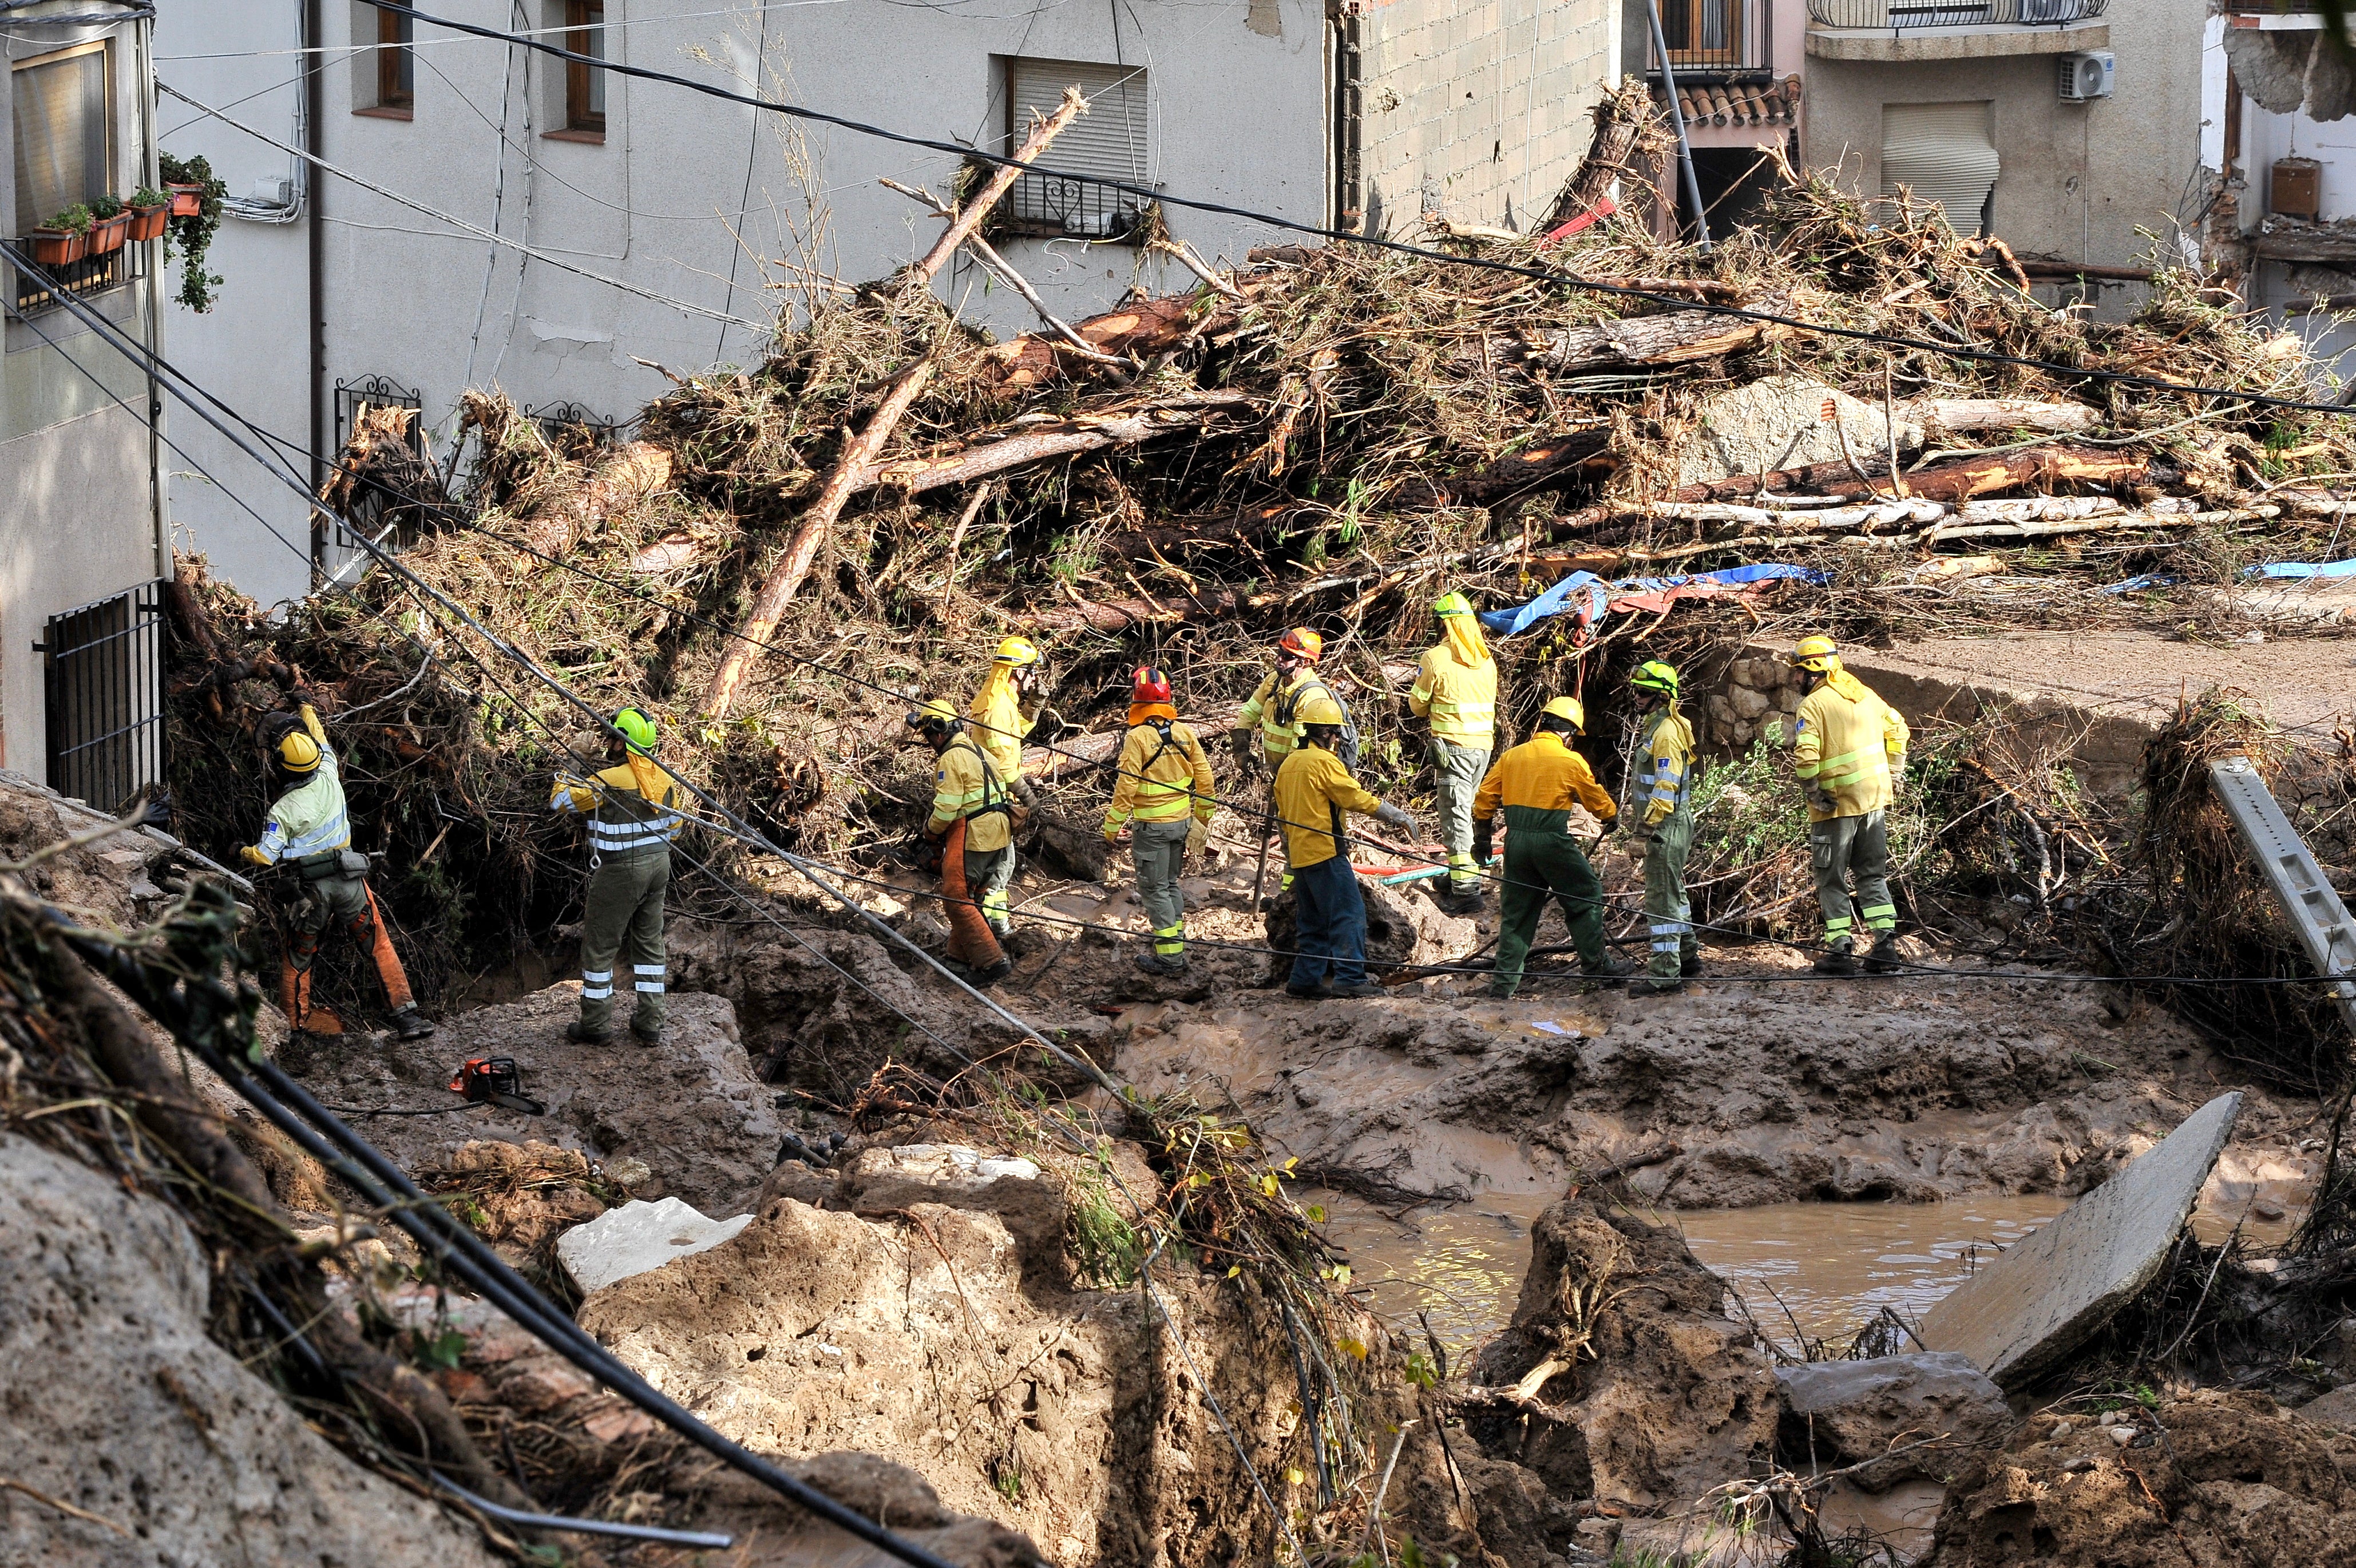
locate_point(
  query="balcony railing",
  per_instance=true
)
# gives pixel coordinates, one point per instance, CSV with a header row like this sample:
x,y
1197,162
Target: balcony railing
x,y
36,291
1061,207
1952,13
1715,40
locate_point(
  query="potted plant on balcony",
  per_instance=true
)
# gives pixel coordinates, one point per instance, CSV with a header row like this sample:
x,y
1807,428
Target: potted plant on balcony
x,y
64,238
150,211
192,232
110,224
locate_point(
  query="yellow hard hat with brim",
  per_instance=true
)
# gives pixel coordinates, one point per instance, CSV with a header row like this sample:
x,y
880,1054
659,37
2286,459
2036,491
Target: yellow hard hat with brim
x,y
1015,653
1817,653
1569,710
926,715
298,753
1318,708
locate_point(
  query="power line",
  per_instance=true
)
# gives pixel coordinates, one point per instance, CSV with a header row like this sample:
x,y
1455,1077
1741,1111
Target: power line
x,y
1338,236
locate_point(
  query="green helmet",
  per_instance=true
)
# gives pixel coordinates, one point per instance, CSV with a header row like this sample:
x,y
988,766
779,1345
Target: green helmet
x,y
1451,603
636,730
1654,676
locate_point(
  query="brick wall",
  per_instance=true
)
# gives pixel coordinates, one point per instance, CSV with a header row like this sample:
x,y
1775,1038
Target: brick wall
x,y
1478,108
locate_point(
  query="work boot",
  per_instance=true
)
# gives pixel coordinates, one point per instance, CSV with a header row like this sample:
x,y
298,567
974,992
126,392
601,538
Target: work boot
x,y
1358,988
994,973
1469,901
1883,957
1501,994
1320,991
411,1024
582,1033
1837,961
649,1039
1689,965
1155,963
1658,986
1614,971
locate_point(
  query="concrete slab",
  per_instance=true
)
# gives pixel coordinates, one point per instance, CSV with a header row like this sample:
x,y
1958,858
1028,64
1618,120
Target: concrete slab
x,y
2043,1297
637,1238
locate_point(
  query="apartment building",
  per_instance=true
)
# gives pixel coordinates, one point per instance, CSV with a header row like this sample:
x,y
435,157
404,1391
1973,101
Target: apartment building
x,y
81,542
420,211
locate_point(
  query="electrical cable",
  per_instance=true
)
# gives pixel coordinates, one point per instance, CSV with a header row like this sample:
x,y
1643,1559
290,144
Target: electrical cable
x,y
1339,236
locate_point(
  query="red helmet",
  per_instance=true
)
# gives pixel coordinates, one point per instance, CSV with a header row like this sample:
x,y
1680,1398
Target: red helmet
x,y
1149,685
1303,642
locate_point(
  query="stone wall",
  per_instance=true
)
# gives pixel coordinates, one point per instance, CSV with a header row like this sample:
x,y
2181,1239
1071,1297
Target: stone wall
x,y
1755,701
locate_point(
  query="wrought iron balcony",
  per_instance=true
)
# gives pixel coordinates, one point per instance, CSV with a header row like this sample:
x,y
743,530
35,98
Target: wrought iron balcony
x,y
1715,40
38,290
1896,14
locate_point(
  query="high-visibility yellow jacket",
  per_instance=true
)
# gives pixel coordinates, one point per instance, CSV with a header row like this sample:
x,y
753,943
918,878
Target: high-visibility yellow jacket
x,y
970,786
1461,699
998,727
1845,746
1164,776
1312,790
1536,783
1273,708
631,809
1663,772
308,819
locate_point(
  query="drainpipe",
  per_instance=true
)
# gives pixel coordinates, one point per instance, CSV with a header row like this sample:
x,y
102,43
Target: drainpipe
x,y
1678,118
314,239
1349,119
151,175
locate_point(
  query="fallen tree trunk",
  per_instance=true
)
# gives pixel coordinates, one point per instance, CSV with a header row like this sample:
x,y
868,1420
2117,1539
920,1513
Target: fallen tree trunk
x,y
1677,338
1941,417
1969,477
628,479
1033,444
1621,119
1147,328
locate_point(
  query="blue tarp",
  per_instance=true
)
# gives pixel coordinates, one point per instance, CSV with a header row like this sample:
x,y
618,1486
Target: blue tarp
x,y
1585,592
2304,569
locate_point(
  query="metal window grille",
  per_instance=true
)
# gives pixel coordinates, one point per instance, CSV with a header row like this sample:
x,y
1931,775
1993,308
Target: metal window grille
x,y
102,672
1107,143
351,397
36,291
568,425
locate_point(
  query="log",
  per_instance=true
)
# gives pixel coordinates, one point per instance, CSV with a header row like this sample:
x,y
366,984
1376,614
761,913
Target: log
x,y
626,481
1676,338
777,588
1140,330
1061,438
1621,119
1943,416
1968,477
1579,456
993,190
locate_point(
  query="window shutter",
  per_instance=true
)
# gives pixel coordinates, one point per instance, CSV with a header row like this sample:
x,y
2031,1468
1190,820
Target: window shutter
x,y
1106,143
60,135
1943,153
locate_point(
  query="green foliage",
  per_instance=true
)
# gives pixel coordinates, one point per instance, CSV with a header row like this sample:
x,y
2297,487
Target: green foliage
x,y
74,220
107,206
193,233
148,196
1104,1245
436,1352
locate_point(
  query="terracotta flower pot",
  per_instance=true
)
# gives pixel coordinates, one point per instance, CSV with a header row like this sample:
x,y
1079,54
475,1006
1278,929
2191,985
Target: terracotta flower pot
x,y
147,222
57,247
187,199
107,234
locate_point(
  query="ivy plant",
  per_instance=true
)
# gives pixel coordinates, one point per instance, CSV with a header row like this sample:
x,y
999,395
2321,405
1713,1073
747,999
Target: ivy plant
x,y
193,233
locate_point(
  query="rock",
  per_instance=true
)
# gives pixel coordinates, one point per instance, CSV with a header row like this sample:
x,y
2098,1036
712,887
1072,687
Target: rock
x,y
2336,1409
117,1402
690,1109
2122,1435
638,1236
1778,422
2044,1296
881,1181
1839,1413
938,1167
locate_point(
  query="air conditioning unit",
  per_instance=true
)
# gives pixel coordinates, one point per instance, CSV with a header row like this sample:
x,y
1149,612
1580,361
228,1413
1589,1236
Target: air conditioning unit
x,y
272,190
2087,75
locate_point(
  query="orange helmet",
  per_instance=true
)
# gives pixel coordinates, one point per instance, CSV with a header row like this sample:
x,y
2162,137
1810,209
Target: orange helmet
x,y
1149,685
1303,642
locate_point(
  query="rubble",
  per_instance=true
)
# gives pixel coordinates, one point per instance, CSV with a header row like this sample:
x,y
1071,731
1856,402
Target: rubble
x,y
1858,1414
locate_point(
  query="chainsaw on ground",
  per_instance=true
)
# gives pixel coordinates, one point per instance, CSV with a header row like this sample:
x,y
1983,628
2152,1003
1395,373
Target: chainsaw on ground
x,y
496,1081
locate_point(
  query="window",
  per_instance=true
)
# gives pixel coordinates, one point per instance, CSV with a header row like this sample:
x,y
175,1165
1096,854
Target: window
x,y
63,132
1107,143
584,85
1703,34
384,79
1943,153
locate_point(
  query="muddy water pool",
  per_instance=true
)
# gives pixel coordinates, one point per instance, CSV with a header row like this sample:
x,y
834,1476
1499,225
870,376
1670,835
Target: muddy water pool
x,y
1817,1269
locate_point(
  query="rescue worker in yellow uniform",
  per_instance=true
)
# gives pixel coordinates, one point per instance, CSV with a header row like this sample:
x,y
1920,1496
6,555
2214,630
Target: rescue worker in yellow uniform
x,y
1163,798
1535,785
1849,753
1312,789
1270,723
1000,718
973,823
632,811
308,830
1456,691
1663,804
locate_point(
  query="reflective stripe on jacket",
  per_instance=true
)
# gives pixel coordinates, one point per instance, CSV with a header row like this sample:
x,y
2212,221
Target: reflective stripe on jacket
x,y
1461,699
1273,707
1312,790
1164,776
1542,775
968,788
1844,748
623,823
310,819
1666,747
997,724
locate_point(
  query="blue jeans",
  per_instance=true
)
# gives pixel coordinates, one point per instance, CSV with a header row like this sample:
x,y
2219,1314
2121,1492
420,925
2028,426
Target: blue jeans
x,y
1330,920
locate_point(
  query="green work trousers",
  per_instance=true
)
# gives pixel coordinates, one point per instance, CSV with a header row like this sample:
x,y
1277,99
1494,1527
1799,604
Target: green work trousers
x,y
1156,849
988,875
1844,848
1542,863
1457,771
623,921
1667,911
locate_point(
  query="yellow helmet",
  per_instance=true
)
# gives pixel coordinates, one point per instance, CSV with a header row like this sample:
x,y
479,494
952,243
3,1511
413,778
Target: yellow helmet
x,y
1015,653
298,753
1569,710
1318,708
1451,603
934,715
1817,654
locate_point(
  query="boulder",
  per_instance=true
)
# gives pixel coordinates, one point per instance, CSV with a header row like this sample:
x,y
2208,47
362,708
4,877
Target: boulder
x,y
1778,422
638,1236
1839,1414
2336,1409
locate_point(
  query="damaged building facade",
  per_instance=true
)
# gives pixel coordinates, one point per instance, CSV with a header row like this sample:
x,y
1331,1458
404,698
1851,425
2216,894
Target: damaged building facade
x,y
499,215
